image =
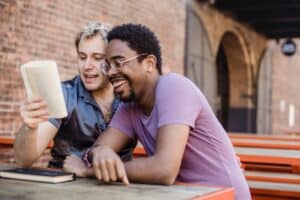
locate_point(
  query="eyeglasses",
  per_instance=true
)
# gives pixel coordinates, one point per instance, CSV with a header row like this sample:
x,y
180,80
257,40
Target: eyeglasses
x,y
118,65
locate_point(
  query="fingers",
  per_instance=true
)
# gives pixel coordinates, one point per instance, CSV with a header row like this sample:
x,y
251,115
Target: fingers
x,y
96,167
110,164
104,171
34,111
108,167
34,104
121,173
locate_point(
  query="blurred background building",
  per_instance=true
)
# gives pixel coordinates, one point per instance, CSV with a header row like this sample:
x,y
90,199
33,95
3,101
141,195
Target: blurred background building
x,y
232,50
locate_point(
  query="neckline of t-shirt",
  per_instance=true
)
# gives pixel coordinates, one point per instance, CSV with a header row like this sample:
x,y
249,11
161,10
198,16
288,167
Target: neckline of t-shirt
x,y
147,117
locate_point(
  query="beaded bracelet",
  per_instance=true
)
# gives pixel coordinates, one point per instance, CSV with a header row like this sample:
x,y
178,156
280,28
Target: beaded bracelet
x,y
85,157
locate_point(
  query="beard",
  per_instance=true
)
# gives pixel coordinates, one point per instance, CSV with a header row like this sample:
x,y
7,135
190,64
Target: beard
x,y
130,98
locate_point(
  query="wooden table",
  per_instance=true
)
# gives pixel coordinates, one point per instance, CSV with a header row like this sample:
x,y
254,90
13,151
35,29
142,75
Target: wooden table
x,y
88,189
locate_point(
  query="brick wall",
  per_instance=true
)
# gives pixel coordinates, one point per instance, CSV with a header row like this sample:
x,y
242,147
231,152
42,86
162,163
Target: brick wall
x,y
46,29
285,88
41,29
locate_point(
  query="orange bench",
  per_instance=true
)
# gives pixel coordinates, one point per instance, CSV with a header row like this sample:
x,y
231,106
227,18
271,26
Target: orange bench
x,y
268,153
275,177
139,151
265,143
263,190
270,157
273,185
7,141
264,137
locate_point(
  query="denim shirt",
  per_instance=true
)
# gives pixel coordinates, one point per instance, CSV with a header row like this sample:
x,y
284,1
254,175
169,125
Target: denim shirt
x,y
82,126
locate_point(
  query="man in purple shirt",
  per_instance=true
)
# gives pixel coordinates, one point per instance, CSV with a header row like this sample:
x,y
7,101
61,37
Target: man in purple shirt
x,y
168,114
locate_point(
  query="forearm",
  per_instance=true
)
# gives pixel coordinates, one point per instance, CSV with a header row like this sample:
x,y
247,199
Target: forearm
x,y
150,170
113,139
25,146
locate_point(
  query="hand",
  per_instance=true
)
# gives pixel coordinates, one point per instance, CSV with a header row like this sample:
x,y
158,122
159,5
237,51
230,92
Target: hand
x,y
34,111
73,164
108,166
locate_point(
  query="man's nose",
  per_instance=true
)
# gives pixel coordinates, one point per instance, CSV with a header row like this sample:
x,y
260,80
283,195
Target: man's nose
x,y
88,64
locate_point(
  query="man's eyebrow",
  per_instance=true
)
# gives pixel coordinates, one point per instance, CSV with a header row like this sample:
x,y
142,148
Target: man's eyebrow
x,y
95,53
99,54
117,57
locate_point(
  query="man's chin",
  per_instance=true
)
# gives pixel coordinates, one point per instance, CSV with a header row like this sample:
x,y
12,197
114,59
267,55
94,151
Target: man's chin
x,y
126,98
91,88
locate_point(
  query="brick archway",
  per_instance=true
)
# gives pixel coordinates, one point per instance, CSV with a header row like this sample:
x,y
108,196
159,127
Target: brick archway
x,y
239,114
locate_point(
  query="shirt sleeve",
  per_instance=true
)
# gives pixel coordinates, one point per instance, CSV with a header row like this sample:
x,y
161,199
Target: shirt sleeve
x,y
57,121
122,120
178,101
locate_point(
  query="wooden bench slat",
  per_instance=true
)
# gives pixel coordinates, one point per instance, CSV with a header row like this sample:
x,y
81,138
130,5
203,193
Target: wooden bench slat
x,y
259,143
274,189
272,177
139,152
264,137
9,141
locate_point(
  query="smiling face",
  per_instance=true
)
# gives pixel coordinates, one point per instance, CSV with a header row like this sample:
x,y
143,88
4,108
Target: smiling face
x,y
129,81
91,53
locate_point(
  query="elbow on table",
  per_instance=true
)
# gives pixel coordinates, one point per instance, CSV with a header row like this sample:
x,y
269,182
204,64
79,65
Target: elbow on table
x,y
168,177
22,162
168,181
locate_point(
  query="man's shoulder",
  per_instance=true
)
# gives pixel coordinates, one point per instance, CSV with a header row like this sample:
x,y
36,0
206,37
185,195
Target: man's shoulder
x,y
73,87
71,83
175,82
174,78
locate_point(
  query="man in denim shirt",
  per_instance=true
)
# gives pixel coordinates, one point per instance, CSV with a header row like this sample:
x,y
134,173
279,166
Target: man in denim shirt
x,y
90,104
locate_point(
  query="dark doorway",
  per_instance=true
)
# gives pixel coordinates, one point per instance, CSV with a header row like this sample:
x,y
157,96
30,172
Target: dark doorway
x,y
237,109
222,87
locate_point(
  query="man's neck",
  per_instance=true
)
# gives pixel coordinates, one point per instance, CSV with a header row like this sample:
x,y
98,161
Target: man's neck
x,y
104,99
147,100
103,93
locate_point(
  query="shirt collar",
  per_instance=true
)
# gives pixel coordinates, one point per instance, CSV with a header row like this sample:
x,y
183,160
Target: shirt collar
x,y
83,93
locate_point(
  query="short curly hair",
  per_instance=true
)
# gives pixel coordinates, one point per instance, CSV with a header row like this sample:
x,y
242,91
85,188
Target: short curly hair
x,y
140,39
91,29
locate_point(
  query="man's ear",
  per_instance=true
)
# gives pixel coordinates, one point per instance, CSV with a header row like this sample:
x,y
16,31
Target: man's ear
x,y
151,63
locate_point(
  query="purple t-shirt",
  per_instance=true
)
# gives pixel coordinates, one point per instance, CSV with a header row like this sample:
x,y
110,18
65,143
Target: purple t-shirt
x,y
209,157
